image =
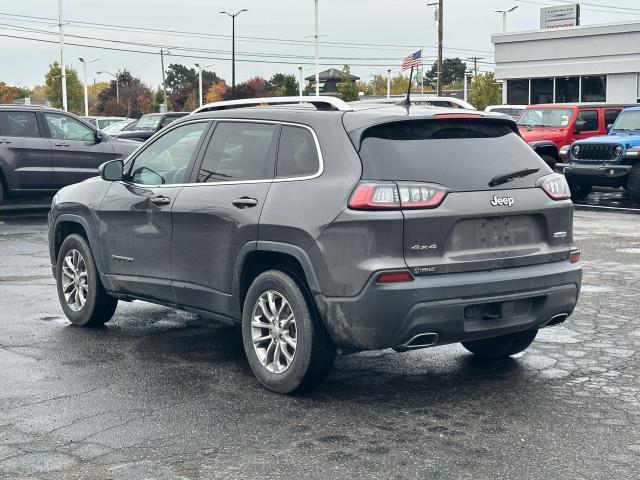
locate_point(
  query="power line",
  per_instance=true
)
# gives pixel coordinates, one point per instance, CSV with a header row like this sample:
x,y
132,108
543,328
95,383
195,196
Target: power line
x,y
81,24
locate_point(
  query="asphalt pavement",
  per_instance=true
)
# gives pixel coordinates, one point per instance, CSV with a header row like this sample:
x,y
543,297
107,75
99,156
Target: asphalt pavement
x,y
160,394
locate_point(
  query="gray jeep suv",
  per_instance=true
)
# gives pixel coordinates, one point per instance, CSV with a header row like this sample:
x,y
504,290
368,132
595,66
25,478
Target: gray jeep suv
x,y
322,226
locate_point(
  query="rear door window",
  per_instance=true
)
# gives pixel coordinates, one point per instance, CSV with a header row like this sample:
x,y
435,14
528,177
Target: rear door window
x,y
19,124
463,155
238,151
590,119
297,153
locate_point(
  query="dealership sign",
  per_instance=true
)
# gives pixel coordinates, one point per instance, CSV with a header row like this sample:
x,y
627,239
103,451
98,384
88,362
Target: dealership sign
x,y
561,16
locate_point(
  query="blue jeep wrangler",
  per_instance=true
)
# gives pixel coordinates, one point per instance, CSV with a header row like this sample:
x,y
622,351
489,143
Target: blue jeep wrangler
x,y
611,160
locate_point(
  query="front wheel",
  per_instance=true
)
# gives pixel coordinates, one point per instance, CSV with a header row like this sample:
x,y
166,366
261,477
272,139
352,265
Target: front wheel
x,y
286,344
503,346
633,184
80,291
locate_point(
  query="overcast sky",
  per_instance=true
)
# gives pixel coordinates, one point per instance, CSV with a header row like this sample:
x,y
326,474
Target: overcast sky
x,y
403,25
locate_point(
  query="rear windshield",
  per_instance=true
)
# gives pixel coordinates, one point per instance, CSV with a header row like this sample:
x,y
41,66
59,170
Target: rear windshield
x,y
463,155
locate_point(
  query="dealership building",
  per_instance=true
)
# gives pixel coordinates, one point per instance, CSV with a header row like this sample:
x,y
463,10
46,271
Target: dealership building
x,y
594,63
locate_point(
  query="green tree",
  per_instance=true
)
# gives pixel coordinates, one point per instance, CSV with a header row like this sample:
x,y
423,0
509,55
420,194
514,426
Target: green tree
x,y
8,93
53,88
284,85
183,82
452,71
136,98
347,88
484,91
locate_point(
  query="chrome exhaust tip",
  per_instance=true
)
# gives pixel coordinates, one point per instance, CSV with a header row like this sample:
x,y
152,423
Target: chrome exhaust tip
x,y
557,319
421,340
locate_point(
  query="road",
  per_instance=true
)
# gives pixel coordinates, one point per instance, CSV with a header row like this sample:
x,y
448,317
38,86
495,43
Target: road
x,y
159,394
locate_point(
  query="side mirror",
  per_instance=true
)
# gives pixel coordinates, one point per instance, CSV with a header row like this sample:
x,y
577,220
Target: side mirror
x,y
112,171
609,127
580,124
98,136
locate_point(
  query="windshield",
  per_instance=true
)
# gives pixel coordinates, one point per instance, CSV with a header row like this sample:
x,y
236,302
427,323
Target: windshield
x,y
149,122
116,127
546,117
628,121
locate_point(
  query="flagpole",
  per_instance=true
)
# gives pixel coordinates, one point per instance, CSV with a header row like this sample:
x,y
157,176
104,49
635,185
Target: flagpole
x,y
422,71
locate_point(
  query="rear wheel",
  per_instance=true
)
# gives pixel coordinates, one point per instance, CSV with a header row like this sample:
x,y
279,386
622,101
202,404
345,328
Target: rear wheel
x,y
633,184
503,346
579,191
285,342
80,291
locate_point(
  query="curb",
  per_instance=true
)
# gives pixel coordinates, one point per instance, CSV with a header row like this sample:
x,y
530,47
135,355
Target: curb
x,y
596,208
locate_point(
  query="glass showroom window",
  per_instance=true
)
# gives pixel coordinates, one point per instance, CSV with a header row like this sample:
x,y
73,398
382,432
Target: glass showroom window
x,y
567,89
594,89
541,90
518,92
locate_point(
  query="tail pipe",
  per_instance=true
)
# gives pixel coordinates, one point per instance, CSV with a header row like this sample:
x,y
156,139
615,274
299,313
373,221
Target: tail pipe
x,y
557,319
421,340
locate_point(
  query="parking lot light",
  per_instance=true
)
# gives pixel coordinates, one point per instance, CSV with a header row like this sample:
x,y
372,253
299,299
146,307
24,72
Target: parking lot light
x,y
86,93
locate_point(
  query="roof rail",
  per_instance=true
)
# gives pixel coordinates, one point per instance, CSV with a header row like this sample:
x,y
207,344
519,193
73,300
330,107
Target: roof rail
x,y
321,103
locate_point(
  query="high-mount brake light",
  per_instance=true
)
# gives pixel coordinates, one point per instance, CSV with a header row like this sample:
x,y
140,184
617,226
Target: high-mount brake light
x,y
394,277
556,186
395,196
457,115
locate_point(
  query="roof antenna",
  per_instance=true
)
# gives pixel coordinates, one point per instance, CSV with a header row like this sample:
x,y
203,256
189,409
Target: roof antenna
x,y
407,101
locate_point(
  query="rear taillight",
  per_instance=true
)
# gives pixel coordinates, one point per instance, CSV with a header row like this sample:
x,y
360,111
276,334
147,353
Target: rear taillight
x,y
394,277
394,196
556,186
574,256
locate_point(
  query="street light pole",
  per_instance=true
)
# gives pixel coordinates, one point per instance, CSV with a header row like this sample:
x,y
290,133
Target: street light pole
x,y
116,80
504,16
233,48
389,83
86,93
300,80
317,53
200,79
164,84
63,70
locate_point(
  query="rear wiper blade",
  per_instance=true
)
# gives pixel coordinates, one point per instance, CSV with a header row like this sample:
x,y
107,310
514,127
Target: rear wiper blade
x,y
507,177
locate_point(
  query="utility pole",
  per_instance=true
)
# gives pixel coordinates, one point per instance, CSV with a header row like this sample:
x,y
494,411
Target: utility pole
x,y
317,54
475,64
164,85
440,35
233,48
389,83
63,70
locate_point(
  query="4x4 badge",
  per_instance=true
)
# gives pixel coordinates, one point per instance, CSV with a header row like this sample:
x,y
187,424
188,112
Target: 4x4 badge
x,y
502,201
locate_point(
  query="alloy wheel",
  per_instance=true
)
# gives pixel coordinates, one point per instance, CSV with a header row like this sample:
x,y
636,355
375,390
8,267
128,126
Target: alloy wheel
x,y
273,331
74,280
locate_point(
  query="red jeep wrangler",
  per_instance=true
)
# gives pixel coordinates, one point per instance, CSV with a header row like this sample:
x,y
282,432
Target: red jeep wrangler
x,y
548,128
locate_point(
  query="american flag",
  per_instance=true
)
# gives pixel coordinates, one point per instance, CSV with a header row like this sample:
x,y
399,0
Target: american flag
x,y
413,60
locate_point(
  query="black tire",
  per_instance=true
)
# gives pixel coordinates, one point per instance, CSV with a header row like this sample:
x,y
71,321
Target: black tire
x,y
2,193
549,160
314,352
633,183
504,346
98,307
579,191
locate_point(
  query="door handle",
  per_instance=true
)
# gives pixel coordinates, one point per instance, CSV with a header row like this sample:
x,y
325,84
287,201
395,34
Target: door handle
x,y
245,202
61,144
159,201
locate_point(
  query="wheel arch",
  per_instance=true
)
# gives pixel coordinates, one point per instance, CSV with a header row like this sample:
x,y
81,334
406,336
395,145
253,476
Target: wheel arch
x,y
546,148
260,256
65,225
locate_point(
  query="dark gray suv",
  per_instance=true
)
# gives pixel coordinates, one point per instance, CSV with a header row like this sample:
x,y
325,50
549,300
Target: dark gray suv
x,y
44,149
326,226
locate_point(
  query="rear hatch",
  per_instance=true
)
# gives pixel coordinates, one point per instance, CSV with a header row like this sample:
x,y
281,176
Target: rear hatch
x,y
461,211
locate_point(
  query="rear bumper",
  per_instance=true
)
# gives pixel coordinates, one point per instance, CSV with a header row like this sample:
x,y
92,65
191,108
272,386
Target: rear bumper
x,y
457,307
598,174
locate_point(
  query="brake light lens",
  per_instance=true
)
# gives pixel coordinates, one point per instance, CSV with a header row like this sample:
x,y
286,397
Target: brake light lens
x,y
574,256
394,277
555,186
394,196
